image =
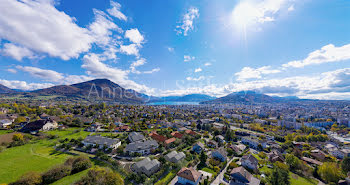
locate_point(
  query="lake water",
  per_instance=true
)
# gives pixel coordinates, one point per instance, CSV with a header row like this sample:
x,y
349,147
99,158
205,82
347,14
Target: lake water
x,y
173,103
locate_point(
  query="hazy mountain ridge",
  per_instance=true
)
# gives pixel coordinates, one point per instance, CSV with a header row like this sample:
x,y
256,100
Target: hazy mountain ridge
x,y
251,97
185,98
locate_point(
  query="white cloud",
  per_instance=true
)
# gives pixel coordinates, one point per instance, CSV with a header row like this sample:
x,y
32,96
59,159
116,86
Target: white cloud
x,y
188,58
187,21
51,31
207,64
134,36
17,52
101,29
115,11
53,76
252,12
327,85
195,79
44,74
137,63
152,71
326,54
12,70
291,8
141,62
198,70
22,85
170,49
95,68
251,73
131,49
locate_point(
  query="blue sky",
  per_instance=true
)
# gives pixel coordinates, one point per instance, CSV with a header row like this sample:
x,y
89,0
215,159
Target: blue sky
x,y
278,47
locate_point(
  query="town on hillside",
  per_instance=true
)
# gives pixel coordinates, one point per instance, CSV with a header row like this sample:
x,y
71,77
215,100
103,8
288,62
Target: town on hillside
x,y
62,142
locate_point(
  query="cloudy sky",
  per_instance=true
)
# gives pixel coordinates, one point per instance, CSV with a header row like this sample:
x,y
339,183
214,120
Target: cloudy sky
x,y
278,47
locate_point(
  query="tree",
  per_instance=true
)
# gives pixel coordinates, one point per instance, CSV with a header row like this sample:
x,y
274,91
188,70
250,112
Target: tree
x,y
345,164
279,176
203,159
56,173
20,119
330,172
18,137
101,176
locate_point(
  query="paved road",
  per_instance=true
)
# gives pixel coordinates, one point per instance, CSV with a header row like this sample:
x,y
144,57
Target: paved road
x,y
174,181
220,178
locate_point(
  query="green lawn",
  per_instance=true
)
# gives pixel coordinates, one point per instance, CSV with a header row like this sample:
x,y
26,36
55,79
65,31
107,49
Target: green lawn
x,y
297,180
35,156
71,179
167,178
208,170
4,132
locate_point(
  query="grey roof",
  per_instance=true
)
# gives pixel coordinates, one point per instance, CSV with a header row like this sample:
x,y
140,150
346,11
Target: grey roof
x,y
152,164
136,136
251,158
100,140
222,151
147,165
142,163
220,137
141,145
174,156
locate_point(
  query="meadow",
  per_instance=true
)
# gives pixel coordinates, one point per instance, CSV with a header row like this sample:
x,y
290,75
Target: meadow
x,y
37,156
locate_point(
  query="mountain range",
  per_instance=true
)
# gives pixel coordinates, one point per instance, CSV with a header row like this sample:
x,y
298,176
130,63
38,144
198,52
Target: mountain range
x,y
250,97
185,98
106,90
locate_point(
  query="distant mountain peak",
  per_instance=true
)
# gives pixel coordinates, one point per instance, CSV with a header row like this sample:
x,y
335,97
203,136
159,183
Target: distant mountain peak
x,y
5,90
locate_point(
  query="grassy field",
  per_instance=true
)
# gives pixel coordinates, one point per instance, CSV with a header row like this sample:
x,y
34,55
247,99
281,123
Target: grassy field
x,y
70,179
35,156
167,178
297,180
4,132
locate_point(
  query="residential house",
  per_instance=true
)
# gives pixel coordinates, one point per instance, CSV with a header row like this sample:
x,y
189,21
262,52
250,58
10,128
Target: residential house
x,y
177,135
5,123
101,142
220,154
157,137
318,154
40,125
95,127
239,149
122,128
274,156
188,176
240,176
175,157
143,147
136,136
220,139
198,147
212,144
190,132
169,142
254,142
311,161
250,162
146,166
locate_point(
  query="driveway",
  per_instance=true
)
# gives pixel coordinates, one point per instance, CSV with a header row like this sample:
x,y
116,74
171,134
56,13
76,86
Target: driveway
x,y
220,178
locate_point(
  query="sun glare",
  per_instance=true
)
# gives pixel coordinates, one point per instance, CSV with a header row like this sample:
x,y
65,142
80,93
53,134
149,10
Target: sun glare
x,y
244,15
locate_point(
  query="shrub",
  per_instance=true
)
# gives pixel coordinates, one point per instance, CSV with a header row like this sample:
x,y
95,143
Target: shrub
x,y
30,178
56,173
81,163
101,176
